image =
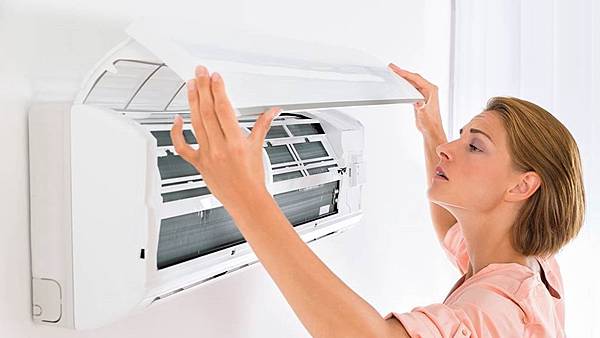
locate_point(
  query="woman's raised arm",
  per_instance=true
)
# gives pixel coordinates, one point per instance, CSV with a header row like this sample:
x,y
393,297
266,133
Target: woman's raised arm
x,y
231,165
429,122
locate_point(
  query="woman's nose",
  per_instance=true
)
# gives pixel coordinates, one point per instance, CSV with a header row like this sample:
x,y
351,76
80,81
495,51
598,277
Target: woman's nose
x,y
442,151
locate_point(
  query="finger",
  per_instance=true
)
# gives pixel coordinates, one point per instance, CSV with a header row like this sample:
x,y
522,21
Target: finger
x,y
263,124
181,146
414,79
423,86
207,107
225,113
197,123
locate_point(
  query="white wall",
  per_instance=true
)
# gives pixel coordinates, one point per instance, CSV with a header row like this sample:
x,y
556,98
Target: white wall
x,y
392,259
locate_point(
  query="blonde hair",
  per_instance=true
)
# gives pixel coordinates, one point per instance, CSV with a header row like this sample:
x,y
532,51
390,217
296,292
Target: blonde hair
x,y
538,142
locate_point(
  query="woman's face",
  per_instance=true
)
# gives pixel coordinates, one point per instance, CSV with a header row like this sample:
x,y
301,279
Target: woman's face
x,y
478,167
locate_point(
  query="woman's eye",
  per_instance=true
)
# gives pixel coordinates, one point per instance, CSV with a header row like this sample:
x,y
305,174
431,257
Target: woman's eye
x,y
473,147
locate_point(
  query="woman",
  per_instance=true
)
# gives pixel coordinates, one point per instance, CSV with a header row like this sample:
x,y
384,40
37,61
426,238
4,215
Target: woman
x,y
505,197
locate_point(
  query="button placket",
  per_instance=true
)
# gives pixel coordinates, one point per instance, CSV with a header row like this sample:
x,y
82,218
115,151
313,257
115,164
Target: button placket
x,y
462,331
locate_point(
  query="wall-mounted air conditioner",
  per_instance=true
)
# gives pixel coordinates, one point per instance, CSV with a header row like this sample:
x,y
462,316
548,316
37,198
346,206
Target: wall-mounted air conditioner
x,y
120,222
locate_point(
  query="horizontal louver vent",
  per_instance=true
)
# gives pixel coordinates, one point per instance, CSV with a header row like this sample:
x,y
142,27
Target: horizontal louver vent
x,y
163,137
193,235
173,166
183,194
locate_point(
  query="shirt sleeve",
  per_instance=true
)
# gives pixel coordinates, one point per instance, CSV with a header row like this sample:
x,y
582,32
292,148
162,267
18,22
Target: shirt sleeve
x,y
434,321
456,249
459,321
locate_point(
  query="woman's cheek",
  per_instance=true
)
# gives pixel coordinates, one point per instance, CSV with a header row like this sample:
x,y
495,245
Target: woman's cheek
x,y
488,192
474,187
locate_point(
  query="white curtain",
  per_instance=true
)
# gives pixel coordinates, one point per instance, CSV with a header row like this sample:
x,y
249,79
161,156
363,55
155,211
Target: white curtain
x,y
547,52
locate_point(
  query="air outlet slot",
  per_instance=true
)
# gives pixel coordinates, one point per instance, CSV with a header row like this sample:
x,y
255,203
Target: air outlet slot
x,y
183,194
193,235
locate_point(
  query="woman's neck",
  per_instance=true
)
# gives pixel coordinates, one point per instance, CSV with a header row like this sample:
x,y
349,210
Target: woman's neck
x,y
488,241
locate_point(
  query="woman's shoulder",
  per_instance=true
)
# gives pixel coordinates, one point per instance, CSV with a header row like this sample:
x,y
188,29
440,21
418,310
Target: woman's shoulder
x,y
505,298
515,281
513,290
497,282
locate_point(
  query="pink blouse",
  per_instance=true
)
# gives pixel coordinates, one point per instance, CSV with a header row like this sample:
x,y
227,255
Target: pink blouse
x,y
500,300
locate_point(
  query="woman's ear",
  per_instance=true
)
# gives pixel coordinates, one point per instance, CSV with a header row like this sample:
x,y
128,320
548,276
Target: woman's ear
x,y
527,185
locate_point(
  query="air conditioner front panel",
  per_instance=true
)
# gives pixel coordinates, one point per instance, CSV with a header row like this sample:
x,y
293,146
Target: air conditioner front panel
x,y
112,210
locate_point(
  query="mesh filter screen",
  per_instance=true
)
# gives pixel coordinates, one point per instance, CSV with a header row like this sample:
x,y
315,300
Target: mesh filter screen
x,y
310,150
189,236
305,129
287,176
276,132
320,170
279,154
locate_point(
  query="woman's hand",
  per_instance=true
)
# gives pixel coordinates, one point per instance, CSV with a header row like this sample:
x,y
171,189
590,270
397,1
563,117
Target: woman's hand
x,y
427,115
230,162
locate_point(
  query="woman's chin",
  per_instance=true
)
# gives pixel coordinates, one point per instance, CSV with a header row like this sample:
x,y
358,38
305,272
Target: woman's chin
x,y
435,196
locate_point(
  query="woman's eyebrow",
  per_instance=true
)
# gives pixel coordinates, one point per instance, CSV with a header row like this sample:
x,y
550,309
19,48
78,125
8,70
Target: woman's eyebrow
x,y
478,131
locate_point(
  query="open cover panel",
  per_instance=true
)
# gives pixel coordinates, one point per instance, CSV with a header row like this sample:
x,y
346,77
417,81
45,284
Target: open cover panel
x,y
260,71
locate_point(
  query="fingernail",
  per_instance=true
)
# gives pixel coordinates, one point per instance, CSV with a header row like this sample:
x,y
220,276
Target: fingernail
x,y
201,70
178,118
396,67
216,77
191,84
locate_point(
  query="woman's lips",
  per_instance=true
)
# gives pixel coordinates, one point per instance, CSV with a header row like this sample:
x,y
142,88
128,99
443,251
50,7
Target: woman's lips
x,y
439,173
